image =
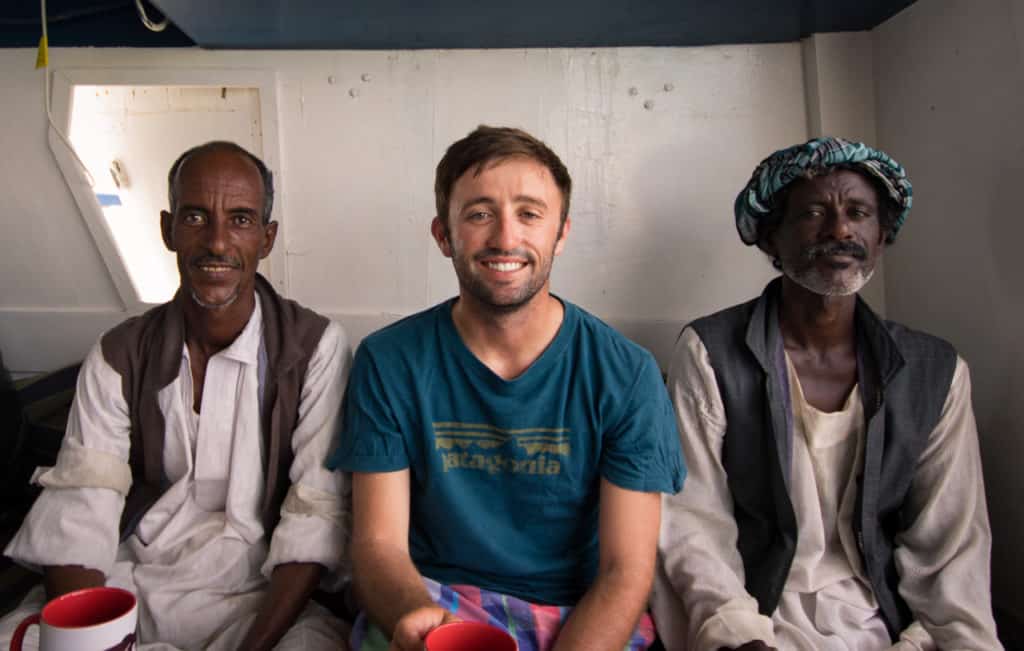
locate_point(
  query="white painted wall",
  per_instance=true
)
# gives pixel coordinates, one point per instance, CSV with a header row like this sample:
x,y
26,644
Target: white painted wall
x,y
144,129
950,94
658,141
840,86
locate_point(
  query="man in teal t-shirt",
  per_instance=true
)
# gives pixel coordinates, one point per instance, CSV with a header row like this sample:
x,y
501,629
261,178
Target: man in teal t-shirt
x,y
508,449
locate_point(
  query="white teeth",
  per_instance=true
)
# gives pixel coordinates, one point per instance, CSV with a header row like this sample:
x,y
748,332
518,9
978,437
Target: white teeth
x,y
505,266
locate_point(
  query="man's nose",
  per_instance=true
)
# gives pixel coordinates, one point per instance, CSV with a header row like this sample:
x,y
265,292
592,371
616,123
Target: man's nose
x,y
216,233
505,234
837,225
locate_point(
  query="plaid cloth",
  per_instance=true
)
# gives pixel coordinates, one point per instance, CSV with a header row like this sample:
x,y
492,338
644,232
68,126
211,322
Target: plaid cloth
x,y
786,165
534,627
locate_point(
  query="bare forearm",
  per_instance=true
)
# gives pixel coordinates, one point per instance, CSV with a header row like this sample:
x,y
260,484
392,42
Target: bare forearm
x,y
291,584
62,579
387,584
606,617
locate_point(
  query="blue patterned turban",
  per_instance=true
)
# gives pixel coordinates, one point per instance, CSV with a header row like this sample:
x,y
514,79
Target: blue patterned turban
x,y
780,169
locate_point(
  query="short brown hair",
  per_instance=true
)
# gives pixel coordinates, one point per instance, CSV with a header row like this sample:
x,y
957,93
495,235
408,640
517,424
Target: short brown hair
x,y
488,144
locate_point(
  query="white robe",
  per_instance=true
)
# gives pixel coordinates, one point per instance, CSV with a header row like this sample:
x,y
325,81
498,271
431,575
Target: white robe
x,y
827,604
199,560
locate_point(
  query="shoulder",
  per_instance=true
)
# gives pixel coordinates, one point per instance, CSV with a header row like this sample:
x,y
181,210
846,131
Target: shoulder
x,y
407,341
333,344
916,345
407,331
294,317
604,345
121,346
725,324
132,328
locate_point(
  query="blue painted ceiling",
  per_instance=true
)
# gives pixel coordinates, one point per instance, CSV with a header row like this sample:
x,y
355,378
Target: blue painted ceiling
x,y
401,24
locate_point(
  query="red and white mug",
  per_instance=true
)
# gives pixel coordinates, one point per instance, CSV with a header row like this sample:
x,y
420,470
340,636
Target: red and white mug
x,y
93,619
469,636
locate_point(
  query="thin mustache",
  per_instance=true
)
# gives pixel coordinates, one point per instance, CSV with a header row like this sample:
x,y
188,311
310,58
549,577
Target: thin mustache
x,y
835,248
210,259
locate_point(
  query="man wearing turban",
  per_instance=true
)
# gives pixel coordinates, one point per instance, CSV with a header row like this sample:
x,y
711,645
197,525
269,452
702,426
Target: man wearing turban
x,y
834,499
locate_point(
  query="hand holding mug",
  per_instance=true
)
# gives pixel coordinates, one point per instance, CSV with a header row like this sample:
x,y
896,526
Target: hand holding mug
x,y
414,626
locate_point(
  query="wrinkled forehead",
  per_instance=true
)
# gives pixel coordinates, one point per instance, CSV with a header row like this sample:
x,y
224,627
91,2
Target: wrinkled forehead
x,y
221,171
842,183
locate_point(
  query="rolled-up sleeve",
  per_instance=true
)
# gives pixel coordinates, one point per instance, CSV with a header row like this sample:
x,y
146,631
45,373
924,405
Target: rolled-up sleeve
x,y
75,519
315,514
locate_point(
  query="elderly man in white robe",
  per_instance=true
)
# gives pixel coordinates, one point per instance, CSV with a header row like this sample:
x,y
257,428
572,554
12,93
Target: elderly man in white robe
x,y
834,500
202,428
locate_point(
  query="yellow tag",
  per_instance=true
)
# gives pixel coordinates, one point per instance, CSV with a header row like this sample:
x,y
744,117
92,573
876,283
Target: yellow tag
x,y
43,55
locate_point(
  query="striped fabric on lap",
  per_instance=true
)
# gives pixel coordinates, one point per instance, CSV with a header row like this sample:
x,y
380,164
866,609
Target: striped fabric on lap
x,y
535,627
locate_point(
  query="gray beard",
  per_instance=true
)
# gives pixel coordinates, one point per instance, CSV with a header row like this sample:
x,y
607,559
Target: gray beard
x,y
214,306
814,282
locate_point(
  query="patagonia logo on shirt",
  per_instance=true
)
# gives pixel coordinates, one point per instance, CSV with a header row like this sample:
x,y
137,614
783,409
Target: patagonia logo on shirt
x,y
481,447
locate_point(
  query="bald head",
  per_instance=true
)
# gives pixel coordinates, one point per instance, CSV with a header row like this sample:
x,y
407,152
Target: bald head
x,y
221,147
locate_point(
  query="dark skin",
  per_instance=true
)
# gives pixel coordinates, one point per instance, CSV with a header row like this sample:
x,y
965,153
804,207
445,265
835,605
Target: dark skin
x,y
219,233
818,330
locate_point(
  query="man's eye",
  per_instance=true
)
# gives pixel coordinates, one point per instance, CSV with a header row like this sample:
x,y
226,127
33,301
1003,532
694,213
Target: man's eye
x,y
527,214
478,216
243,220
192,218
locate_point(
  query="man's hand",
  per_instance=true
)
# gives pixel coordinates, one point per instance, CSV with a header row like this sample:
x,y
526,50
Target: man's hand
x,y
291,584
756,645
414,626
62,579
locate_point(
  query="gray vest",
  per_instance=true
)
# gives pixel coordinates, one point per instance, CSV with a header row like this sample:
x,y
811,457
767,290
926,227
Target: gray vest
x,y
146,352
904,377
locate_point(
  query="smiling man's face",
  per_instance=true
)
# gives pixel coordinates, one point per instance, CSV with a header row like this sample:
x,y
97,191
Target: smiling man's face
x,y
503,230
830,238
217,228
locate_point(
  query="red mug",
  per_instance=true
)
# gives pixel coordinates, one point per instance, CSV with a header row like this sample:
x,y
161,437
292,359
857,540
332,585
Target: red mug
x,y
469,636
93,619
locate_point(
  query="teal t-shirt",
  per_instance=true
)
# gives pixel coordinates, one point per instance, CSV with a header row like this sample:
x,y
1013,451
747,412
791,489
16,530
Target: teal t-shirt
x,y
505,474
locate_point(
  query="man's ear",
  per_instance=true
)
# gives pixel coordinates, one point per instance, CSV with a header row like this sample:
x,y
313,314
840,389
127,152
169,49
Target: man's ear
x,y
439,230
167,229
269,237
563,232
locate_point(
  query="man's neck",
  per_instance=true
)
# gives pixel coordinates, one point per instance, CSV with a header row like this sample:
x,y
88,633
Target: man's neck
x,y
814,323
209,331
508,342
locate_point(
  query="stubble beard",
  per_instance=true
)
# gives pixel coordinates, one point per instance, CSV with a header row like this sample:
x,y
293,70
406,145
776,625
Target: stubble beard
x,y
476,287
216,306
